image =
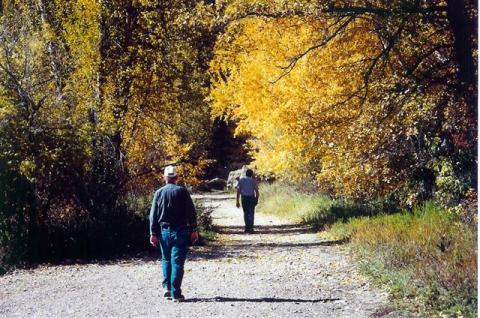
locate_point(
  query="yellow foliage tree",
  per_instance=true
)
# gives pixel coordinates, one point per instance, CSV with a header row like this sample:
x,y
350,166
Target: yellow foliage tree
x,y
95,98
357,97
153,83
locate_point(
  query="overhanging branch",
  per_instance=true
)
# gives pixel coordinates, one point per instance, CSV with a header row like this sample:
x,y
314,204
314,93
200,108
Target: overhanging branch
x,y
293,61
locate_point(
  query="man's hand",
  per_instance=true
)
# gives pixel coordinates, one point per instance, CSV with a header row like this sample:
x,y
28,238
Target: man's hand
x,y
154,240
194,237
238,204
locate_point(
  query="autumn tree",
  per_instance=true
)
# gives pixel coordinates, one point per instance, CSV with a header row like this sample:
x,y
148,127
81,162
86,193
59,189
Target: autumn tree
x,y
44,94
364,98
95,98
153,80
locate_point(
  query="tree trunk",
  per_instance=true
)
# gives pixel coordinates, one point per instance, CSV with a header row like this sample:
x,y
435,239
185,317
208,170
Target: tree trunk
x,y
464,33
462,29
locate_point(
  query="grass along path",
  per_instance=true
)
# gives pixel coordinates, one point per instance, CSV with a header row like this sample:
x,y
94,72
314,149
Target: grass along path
x,y
281,270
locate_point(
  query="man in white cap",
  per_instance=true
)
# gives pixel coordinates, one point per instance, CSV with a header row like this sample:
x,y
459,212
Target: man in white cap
x,y
171,213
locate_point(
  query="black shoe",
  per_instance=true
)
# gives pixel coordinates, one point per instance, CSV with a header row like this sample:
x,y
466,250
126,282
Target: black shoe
x,y
178,299
167,294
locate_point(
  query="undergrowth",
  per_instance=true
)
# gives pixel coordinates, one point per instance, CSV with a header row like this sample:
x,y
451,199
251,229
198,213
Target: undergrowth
x,y
308,208
204,221
426,258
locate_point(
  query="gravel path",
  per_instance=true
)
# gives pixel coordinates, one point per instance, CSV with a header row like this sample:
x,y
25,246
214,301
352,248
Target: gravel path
x,y
281,270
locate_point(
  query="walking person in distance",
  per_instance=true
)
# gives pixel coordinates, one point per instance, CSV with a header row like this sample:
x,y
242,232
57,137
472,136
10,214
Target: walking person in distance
x,y
248,194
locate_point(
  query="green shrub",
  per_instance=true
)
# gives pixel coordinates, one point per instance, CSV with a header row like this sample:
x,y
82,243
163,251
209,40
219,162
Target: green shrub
x,y
204,221
140,204
204,215
450,184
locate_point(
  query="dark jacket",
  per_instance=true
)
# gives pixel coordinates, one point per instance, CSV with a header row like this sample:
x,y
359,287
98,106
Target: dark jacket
x,y
173,205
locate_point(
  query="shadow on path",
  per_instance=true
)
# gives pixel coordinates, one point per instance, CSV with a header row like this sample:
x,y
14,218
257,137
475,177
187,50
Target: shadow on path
x,y
249,249
260,300
267,229
218,250
214,196
249,245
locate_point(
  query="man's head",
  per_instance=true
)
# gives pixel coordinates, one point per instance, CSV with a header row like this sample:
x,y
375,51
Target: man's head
x,y
170,174
249,173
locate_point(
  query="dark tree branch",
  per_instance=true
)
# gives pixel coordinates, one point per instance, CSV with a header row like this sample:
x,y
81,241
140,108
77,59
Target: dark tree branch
x,y
293,61
410,70
17,86
459,22
330,8
387,12
362,92
149,171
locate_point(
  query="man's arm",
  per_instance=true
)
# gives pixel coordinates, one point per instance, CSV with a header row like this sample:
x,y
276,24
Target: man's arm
x,y
154,216
191,216
257,194
238,197
191,212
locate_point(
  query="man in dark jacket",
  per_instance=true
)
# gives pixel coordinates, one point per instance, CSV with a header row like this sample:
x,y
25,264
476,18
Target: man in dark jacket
x,y
171,212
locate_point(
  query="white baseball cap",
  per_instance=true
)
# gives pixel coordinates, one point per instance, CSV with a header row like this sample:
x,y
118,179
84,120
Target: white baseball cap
x,y
170,171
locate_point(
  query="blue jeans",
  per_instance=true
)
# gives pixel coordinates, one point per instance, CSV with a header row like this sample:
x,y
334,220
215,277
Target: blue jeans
x,y
248,205
174,247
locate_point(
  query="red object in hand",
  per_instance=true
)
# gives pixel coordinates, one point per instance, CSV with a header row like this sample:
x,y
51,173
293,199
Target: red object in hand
x,y
154,240
194,237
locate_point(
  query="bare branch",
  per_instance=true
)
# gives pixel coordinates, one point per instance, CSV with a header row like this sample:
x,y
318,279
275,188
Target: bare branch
x,y
386,12
149,171
424,56
404,8
293,61
22,93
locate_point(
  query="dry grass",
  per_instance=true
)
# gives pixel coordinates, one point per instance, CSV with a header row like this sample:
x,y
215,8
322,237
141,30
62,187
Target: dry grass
x,y
426,257
309,208
427,254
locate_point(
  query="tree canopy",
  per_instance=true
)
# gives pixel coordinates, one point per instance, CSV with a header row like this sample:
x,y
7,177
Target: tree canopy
x,y
363,98
96,97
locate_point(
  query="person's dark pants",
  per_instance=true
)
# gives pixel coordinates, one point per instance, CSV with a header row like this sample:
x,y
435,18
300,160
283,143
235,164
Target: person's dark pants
x,y
248,205
174,247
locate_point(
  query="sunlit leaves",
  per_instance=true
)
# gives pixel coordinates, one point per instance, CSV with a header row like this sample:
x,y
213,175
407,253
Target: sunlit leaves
x,y
352,101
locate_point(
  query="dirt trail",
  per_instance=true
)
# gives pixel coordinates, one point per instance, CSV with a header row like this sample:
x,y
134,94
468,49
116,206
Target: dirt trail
x,y
281,270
